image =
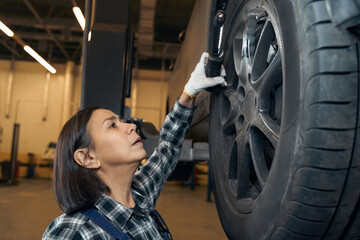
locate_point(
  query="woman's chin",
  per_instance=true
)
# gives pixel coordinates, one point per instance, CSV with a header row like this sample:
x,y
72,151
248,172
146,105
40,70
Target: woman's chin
x,y
144,154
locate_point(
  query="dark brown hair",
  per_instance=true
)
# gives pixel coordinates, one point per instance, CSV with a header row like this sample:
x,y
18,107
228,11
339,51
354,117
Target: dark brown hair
x,y
76,187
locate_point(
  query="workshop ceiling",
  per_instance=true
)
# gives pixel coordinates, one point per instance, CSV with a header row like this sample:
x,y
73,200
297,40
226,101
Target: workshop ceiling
x,y
51,29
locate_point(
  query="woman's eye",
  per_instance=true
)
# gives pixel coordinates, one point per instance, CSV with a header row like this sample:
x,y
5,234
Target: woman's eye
x,y
113,125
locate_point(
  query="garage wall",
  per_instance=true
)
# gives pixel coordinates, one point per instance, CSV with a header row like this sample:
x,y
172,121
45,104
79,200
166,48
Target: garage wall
x,y
148,101
149,95
39,123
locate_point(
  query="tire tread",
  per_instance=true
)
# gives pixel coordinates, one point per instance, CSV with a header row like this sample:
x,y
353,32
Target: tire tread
x,y
331,98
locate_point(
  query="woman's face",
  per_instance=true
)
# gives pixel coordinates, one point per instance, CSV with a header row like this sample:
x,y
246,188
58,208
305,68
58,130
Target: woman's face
x,y
113,141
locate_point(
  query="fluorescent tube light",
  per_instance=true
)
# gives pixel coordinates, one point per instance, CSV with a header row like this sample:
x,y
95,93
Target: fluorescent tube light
x,y
38,58
6,30
27,48
80,17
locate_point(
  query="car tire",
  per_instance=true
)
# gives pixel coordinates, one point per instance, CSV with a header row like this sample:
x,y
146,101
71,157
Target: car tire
x,y
284,135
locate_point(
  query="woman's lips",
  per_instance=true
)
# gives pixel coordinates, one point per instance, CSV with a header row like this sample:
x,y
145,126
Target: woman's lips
x,y
137,141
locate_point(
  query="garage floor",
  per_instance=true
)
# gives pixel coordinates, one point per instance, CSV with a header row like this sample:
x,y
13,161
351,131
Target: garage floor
x,y
28,207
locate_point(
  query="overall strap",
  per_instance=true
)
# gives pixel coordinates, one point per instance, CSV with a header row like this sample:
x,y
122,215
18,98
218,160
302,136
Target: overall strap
x,y
105,224
163,228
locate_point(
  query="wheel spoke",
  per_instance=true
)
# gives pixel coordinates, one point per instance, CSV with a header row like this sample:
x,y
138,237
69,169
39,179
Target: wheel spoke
x,y
240,65
243,166
259,63
271,77
258,157
241,57
268,127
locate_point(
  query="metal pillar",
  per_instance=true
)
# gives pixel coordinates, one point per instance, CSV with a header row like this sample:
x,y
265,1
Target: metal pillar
x,y
14,154
104,56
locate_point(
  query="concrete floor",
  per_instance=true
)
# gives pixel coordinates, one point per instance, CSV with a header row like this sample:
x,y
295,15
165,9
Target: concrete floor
x,y
27,208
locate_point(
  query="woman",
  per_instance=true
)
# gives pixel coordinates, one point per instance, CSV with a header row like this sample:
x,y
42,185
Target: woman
x,y
97,158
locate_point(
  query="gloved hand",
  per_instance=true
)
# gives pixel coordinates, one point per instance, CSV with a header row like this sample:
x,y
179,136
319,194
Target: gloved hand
x,y
198,80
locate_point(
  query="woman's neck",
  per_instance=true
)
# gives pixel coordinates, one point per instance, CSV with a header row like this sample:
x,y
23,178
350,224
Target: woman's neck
x,y
119,181
124,197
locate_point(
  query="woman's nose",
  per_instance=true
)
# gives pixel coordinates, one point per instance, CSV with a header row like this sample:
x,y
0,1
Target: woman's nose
x,y
131,128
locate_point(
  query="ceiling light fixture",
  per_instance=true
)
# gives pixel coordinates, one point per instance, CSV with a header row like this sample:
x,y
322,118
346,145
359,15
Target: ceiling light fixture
x,y
6,30
79,16
38,58
27,48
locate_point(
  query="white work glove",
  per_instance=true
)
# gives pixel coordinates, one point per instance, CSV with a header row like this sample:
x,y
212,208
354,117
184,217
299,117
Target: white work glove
x,y
198,80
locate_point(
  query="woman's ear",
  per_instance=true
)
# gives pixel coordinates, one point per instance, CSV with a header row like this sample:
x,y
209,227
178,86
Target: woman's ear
x,y
83,158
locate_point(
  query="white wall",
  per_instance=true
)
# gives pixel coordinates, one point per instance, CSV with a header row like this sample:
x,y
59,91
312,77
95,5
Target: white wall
x,y
27,105
149,95
148,101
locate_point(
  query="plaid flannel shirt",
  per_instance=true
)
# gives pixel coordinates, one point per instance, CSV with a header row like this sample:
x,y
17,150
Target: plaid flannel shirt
x,y
146,187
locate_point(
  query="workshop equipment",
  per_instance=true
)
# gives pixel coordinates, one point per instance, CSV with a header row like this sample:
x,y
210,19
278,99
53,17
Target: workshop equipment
x,y
216,53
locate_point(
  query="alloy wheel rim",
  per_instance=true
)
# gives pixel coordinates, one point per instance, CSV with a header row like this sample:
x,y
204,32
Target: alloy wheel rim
x,y
251,107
